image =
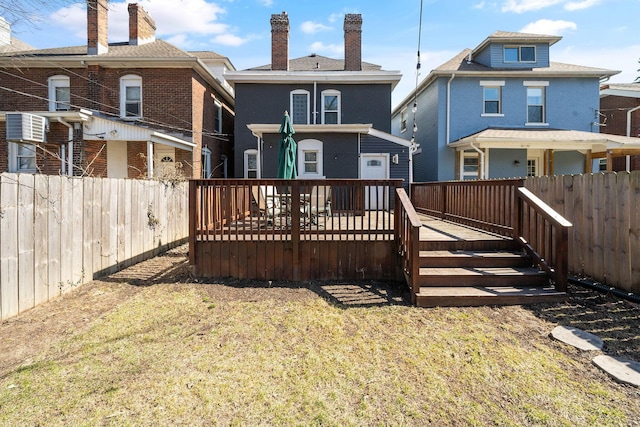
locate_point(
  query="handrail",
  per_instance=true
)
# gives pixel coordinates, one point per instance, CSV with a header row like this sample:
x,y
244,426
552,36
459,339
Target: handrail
x,y
407,226
543,233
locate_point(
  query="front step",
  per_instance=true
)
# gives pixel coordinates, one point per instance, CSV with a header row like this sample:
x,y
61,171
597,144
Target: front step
x,y
501,244
490,295
482,276
473,259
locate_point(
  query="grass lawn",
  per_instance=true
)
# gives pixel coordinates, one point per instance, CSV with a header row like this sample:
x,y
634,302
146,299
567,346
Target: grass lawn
x,y
224,354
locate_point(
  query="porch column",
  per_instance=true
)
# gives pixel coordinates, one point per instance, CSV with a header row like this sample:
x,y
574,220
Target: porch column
x,y
588,162
552,158
609,161
457,173
149,159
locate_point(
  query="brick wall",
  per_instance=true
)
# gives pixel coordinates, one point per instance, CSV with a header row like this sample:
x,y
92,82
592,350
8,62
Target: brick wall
x,y
176,100
615,110
137,159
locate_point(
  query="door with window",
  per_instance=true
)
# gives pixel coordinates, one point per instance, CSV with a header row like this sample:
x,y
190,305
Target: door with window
x,y
375,166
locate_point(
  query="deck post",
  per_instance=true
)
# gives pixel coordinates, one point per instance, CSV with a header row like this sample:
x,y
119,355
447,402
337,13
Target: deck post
x,y
443,201
295,227
193,204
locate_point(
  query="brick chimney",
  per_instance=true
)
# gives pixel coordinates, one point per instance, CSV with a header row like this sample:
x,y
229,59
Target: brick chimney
x,y
142,28
97,27
280,42
353,42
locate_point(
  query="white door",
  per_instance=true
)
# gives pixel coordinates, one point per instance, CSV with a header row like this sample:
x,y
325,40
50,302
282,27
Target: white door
x,y
165,161
375,166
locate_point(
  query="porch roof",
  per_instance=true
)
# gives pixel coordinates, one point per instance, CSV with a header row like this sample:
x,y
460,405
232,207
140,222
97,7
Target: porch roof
x,y
547,139
259,129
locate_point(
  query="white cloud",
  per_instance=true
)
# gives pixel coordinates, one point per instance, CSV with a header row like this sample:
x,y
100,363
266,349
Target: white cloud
x,y
175,20
331,49
310,27
617,58
579,5
230,40
335,17
548,26
521,6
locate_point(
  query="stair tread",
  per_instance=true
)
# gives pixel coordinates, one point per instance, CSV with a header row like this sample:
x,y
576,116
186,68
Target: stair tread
x,y
471,254
486,291
479,271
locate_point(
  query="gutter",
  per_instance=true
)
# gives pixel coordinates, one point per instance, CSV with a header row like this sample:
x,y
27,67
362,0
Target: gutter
x,y
481,165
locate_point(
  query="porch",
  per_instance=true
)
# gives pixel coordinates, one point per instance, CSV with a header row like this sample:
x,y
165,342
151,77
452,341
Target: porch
x,y
456,243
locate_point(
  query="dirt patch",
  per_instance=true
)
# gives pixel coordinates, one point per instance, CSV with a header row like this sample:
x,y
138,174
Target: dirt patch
x,y
32,332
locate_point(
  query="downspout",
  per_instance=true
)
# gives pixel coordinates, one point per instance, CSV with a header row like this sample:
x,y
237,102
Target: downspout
x,y
70,142
412,150
149,159
629,132
453,76
481,165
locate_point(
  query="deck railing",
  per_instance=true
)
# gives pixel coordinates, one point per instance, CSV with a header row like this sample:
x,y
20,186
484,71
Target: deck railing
x,y
407,227
504,207
286,227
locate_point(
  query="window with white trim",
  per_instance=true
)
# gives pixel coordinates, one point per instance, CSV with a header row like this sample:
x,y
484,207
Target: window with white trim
x,y
492,100
131,96
251,169
330,107
470,165
535,104
59,93
519,54
22,157
310,158
299,107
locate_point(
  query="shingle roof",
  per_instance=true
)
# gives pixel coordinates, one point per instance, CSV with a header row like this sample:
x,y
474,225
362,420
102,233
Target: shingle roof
x,y
622,86
315,62
155,49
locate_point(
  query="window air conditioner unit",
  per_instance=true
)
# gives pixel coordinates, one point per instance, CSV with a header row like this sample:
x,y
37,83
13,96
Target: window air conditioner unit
x,y
25,127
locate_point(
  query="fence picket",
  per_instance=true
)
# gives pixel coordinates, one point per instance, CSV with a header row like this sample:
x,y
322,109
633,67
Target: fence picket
x,y
57,232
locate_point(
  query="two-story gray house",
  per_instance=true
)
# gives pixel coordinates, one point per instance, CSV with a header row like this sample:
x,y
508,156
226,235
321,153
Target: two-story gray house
x,y
340,109
505,110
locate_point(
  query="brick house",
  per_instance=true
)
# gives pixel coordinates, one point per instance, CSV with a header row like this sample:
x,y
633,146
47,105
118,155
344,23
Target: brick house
x,y
620,113
125,110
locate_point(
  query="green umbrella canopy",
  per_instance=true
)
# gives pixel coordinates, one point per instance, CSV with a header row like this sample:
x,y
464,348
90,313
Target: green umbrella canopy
x,y
287,152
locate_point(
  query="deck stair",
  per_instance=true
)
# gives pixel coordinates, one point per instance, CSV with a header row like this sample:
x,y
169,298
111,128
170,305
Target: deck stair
x,y
464,266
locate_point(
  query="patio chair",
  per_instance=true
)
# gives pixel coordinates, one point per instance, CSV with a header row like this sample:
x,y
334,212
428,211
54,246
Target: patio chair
x,y
319,202
268,201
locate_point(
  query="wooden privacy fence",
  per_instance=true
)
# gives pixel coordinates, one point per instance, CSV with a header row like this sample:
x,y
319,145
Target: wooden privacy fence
x,y
506,208
57,233
274,229
604,242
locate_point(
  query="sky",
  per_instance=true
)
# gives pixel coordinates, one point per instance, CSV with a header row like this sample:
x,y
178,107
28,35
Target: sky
x,y
597,33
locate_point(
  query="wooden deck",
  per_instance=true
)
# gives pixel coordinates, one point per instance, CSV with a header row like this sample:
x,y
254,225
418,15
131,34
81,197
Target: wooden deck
x,y
448,255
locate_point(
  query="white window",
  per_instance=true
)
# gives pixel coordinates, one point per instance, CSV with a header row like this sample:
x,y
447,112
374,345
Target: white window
x,y
330,107
470,165
492,100
519,54
251,165
22,157
299,107
59,93
217,118
602,165
131,96
310,158
535,105
532,167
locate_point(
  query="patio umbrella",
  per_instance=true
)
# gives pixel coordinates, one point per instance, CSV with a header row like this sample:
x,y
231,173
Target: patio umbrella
x,y
287,152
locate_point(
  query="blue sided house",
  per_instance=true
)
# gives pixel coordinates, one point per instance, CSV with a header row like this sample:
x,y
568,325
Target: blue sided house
x,y
504,110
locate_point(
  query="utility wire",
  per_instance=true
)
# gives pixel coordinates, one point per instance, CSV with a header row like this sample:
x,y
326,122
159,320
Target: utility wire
x,y
204,132
415,92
